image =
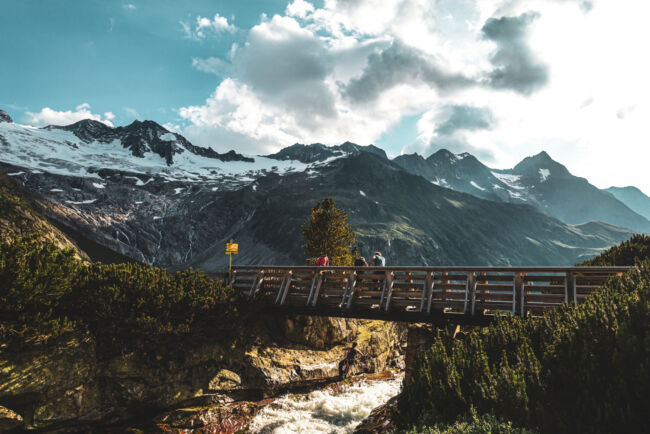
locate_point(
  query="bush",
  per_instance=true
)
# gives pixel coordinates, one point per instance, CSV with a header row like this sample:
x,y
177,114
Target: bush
x,y
44,288
472,424
579,368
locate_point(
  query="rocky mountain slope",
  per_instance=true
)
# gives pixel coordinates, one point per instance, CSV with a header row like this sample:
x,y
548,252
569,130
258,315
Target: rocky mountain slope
x,y
634,198
538,180
19,217
148,193
22,215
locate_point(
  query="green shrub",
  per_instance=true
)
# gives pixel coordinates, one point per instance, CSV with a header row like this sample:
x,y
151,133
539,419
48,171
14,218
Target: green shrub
x,y
45,288
472,424
579,368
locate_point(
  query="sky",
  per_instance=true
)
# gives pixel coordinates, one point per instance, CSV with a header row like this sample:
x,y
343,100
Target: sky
x,y
501,79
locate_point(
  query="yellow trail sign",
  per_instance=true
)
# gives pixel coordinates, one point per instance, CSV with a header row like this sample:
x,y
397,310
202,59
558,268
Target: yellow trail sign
x,y
232,248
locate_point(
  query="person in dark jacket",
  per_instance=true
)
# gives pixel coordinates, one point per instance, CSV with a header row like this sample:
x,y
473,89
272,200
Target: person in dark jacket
x,y
349,360
378,260
360,262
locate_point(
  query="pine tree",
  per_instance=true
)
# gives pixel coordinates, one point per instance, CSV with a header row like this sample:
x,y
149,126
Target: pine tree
x,y
327,232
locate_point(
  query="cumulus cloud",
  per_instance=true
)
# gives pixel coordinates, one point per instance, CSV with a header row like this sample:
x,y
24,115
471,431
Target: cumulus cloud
x,y
234,115
450,127
299,8
401,64
48,116
212,65
463,117
515,67
204,27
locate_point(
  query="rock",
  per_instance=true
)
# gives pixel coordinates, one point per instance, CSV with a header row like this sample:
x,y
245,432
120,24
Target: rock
x,y
4,117
73,382
319,332
228,418
9,420
52,381
225,380
380,420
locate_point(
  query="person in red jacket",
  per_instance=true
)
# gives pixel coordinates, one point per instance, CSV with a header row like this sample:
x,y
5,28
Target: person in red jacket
x,y
323,261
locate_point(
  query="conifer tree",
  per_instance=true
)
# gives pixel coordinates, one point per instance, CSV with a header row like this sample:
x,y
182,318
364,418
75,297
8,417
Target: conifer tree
x,y
327,232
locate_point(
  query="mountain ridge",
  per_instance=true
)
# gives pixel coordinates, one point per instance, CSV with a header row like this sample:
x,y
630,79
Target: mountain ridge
x,y
538,180
634,198
179,215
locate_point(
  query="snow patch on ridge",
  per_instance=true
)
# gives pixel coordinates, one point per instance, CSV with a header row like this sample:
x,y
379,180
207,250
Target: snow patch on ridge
x,y
509,179
475,185
544,174
168,137
82,202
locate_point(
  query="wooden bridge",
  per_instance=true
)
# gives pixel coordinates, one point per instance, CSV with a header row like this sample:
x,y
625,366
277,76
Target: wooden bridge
x,y
458,295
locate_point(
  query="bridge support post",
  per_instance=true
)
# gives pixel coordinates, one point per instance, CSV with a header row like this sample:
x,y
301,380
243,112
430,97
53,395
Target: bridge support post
x,y
470,290
418,338
518,296
387,283
571,287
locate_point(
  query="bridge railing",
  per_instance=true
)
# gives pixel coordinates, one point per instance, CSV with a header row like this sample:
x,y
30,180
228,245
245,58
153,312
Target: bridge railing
x,y
381,291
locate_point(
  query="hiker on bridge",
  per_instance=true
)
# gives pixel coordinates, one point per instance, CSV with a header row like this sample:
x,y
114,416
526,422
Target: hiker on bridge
x,y
323,260
378,260
349,360
360,262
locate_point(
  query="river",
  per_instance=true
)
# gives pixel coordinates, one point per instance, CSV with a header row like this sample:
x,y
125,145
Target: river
x,y
330,410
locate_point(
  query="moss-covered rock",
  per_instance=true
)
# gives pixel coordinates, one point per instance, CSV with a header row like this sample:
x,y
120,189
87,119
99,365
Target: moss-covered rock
x,y
9,419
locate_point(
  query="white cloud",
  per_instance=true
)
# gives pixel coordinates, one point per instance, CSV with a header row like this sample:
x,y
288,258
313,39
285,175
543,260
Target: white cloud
x,y
299,77
132,112
299,8
130,7
204,27
212,65
48,116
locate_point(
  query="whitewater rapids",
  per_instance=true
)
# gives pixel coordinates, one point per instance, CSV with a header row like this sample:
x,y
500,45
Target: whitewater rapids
x,y
325,411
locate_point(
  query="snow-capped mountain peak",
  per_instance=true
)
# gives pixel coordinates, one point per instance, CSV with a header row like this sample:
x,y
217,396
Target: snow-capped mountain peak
x,y
4,117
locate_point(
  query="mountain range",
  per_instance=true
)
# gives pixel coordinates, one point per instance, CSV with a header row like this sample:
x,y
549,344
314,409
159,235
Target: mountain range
x,y
538,180
148,193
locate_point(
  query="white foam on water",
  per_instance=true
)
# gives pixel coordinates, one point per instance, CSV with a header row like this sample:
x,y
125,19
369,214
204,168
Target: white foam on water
x,y
324,411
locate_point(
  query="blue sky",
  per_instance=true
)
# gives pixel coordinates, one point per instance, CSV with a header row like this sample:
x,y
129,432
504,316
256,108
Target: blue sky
x,y
111,54
502,79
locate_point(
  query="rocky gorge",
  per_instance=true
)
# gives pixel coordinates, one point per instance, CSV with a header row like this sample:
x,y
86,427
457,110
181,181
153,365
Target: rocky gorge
x,y
213,379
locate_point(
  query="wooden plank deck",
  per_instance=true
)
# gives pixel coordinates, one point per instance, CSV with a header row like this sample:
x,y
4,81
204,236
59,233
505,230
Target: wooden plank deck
x,y
460,295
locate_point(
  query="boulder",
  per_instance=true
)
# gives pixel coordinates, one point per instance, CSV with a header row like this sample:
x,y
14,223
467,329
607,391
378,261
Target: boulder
x,y
9,420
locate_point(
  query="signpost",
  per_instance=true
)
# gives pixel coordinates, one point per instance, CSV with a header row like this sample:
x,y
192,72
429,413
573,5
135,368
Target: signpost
x,y
231,249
